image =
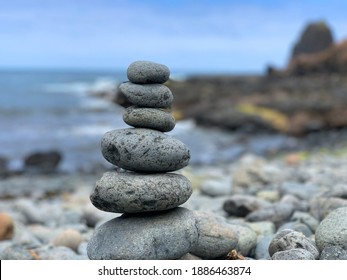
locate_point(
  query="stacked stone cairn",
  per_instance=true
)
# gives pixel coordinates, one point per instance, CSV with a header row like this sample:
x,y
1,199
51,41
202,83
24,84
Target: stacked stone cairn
x,y
152,225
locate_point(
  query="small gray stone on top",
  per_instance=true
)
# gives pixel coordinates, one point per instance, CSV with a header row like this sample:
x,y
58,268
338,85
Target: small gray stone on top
x,y
147,72
164,235
149,118
333,229
147,95
144,150
130,192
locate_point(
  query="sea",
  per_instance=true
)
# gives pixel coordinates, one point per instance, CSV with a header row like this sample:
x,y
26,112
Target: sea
x,y
61,111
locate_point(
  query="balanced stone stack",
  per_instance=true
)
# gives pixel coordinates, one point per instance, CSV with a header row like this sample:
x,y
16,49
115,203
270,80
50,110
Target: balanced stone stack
x,y
152,226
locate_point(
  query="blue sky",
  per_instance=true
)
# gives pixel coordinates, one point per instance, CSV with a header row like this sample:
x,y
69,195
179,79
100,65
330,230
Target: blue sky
x,y
205,36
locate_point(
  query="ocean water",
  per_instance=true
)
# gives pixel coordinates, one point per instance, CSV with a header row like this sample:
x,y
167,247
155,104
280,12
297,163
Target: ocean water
x,y
56,110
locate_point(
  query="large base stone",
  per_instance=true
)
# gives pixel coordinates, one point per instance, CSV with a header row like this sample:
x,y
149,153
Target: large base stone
x,y
161,235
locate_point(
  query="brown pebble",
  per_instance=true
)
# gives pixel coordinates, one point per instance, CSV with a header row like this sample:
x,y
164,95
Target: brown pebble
x,y
69,238
293,159
6,226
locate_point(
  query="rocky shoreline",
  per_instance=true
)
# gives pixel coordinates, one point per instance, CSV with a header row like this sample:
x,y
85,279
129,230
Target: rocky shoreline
x,y
291,105
51,217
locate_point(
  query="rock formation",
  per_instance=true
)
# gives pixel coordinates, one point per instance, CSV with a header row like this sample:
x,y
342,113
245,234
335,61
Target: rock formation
x,y
152,225
315,38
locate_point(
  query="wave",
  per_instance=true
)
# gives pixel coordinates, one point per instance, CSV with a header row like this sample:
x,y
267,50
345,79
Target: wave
x,y
102,84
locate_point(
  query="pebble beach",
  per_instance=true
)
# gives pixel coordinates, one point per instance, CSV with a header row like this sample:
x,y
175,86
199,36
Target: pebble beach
x,y
256,198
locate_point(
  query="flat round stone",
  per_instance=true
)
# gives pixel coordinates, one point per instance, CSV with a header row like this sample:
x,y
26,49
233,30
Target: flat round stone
x,y
144,150
163,235
149,118
130,192
147,72
150,95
